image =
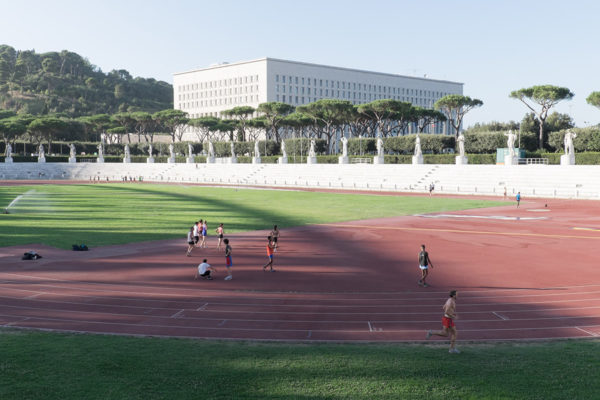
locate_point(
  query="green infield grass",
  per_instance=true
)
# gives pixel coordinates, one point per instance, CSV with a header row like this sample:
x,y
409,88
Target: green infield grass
x,y
40,366
103,214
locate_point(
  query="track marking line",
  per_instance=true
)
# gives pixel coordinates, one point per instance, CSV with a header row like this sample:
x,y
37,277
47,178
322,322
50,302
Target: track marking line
x,y
500,316
222,322
12,323
177,314
586,331
373,328
33,296
464,231
202,307
586,229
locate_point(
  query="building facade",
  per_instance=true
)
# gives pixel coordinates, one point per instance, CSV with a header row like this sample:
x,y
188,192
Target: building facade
x,y
209,91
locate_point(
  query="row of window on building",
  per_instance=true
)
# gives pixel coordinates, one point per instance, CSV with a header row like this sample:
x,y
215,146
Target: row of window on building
x,y
205,94
353,86
219,102
242,80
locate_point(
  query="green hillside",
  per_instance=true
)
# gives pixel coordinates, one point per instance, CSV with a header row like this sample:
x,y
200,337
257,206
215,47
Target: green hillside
x,y
65,82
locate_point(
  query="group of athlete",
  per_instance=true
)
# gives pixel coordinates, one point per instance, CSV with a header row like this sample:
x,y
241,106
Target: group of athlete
x,y
205,270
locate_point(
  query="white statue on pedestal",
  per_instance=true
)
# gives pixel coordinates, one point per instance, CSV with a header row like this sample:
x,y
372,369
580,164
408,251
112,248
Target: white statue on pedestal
x,y
283,152
256,151
461,145
344,146
150,151
232,149
127,153
418,151
8,151
41,153
171,151
311,151
100,151
190,150
72,150
510,142
211,150
379,147
569,147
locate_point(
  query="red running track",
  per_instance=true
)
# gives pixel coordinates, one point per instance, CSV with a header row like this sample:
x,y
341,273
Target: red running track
x,y
522,274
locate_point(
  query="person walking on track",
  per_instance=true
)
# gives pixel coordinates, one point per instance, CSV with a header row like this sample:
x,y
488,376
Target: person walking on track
x,y
448,326
424,264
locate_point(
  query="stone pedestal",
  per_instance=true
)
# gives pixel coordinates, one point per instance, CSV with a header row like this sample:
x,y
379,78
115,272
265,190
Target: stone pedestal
x,y
100,160
210,160
150,160
343,160
508,160
311,160
126,160
255,160
282,160
72,160
461,160
190,160
171,160
378,160
41,159
417,160
8,160
567,159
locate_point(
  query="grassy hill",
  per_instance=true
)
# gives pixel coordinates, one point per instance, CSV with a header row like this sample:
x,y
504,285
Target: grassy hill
x,y
65,82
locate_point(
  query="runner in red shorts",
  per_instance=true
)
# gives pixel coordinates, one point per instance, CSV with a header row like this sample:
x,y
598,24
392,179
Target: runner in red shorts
x,y
448,326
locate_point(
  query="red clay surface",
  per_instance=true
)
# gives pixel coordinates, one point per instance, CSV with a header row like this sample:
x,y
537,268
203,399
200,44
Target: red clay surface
x,y
518,279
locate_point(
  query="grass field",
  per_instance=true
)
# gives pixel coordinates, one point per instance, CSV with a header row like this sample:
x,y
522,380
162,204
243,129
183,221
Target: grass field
x,y
58,366
102,214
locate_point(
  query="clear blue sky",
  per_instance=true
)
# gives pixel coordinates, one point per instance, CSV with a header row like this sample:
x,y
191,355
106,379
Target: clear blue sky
x,y
492,46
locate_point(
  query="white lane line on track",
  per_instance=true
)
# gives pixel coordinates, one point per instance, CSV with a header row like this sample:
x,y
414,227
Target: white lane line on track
x,y
12,323
33,296
500,316
228,292
170,326
177,314
117,306
202,307
588,332
370,327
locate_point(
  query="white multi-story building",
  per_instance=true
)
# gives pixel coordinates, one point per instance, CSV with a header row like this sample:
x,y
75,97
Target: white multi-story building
x,y
208,91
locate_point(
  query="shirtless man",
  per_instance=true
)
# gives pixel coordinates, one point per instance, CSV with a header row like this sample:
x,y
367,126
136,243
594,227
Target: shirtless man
x,y
448,327
424,264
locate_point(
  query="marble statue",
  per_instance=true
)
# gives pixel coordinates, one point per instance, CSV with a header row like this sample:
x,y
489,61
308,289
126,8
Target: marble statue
x,y
72,151
283,152
232,145
510,142
344,146
379,147
150,151
311,152
41,153
461,145
8,150
100,150
256,151
569,147
171,151
190,149
418,151
127,154
211,150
